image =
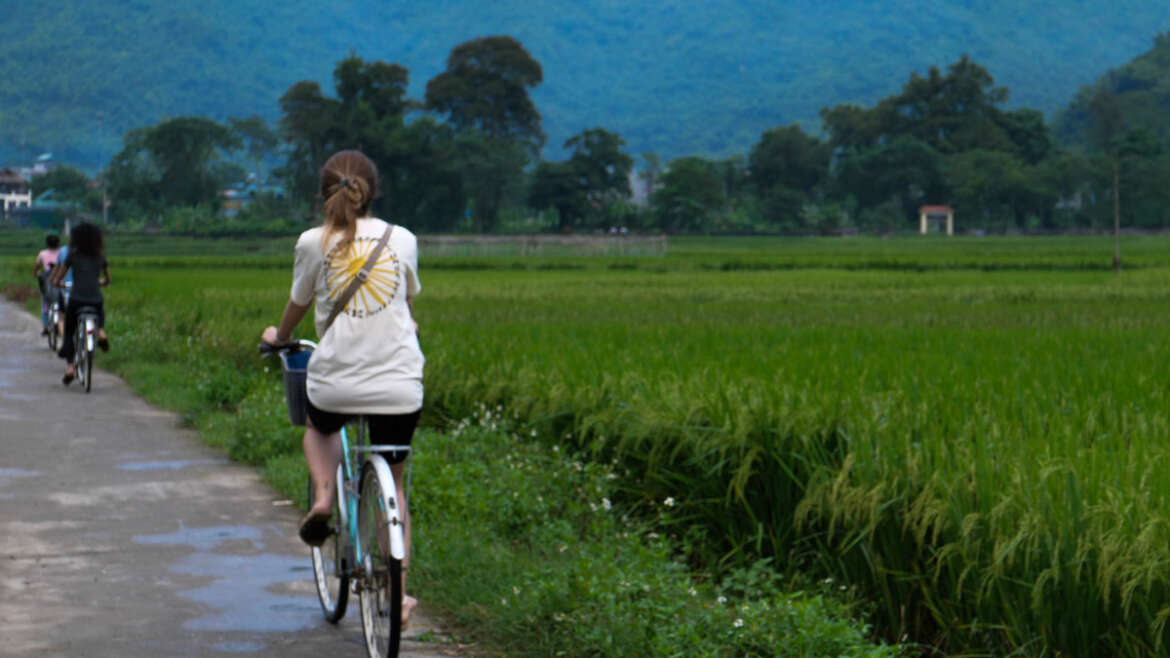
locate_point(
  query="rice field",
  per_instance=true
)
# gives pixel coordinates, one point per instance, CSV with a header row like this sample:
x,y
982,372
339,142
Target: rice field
x,y
974,433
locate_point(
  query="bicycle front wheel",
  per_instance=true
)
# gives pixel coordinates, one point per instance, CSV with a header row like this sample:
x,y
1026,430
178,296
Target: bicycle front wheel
x,y
88,370
80,357
52,329
381,593
330,571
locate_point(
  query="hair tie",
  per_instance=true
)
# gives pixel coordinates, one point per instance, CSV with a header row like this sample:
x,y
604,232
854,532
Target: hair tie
x,y
344,182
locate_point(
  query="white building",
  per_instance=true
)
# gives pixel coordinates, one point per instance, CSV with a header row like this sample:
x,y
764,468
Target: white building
x,y
14,191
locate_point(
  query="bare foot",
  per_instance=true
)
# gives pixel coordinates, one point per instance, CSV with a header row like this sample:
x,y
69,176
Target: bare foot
x,y
408,605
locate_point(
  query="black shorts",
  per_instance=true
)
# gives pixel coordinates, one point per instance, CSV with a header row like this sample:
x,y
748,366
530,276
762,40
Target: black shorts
x,y
385,429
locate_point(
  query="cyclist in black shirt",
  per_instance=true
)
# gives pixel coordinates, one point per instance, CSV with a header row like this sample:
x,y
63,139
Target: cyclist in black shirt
x,y
87,259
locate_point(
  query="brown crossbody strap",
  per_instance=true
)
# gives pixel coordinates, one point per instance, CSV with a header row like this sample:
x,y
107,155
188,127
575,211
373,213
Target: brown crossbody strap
x,y
358,279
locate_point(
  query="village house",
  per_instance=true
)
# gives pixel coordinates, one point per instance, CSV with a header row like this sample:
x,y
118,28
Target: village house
x,y
14,191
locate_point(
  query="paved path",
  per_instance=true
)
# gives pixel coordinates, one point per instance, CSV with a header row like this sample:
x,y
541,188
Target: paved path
x,y
123,535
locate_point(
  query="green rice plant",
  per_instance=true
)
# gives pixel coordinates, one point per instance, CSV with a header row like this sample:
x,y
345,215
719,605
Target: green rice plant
x,y
970,432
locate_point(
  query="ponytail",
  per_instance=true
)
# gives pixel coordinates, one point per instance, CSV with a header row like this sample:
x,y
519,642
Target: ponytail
x,y
349,182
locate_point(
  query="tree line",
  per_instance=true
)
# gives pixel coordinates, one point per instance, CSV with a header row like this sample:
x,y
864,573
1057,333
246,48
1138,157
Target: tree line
x,y
466,157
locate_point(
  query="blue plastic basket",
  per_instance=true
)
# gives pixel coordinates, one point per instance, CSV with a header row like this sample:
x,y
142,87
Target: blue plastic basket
x,y
295,397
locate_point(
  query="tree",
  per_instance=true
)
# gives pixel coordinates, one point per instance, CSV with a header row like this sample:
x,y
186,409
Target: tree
x,y
69,185
691,191
306,126
425,188
185,150
992,186
557,185
483,94
596,176
787,157
906,171
258,138
485,88
178,162
952,113
598,161
368,114
132,177
1028,132
492,172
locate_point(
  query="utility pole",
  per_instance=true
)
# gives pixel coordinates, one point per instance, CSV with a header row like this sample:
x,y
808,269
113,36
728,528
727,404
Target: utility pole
x,y
101,172
1117,214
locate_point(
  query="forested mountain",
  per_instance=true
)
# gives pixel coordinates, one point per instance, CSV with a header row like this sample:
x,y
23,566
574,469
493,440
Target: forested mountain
x,y
1141,93
669,76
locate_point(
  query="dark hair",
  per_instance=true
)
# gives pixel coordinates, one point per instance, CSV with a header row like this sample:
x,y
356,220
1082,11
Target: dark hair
x,y
349,182
52,241
86,239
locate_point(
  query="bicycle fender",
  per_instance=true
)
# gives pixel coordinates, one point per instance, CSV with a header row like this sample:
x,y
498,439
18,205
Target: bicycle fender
x,y
393,511
342,499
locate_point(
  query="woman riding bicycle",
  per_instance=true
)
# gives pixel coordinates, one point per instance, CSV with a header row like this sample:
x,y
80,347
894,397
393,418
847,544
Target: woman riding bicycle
x,y
368,360
87,261
46,261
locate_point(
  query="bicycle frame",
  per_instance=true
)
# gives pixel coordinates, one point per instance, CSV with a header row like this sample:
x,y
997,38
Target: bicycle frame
x,y
348,482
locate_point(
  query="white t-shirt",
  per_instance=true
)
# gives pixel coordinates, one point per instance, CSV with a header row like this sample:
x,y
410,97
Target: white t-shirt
x,y
369,360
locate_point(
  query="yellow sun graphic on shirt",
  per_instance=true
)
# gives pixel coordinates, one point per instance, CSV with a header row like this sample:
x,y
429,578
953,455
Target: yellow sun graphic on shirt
x,y
343,264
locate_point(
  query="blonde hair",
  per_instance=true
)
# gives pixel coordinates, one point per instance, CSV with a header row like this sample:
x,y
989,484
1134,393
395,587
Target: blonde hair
x,y
349,182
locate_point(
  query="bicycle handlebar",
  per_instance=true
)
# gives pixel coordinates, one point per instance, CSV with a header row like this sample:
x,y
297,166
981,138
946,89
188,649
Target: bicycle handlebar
x,y
288,346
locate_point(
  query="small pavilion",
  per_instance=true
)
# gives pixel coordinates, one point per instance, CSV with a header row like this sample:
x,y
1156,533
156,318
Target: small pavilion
x,y
928,214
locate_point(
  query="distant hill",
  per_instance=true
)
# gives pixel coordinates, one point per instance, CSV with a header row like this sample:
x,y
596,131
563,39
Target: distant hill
x,y
1142,88
671,76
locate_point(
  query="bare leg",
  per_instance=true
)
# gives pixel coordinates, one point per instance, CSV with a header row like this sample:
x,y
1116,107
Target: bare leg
x,y
322,454
408,602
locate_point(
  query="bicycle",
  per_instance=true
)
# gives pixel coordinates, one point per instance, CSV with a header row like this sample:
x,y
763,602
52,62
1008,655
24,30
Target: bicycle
x,y
84,342
53,315
366,544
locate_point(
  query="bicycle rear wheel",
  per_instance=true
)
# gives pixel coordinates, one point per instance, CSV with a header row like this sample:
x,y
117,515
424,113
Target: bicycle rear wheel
x,y
381,593
88,370
330,571
85,345
79,356
52,328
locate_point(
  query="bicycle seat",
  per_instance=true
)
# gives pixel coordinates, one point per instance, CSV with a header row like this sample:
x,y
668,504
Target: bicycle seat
x,y
87,310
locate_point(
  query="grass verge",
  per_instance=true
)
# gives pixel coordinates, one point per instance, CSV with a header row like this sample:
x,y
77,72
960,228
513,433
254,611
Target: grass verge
x,y
517,542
